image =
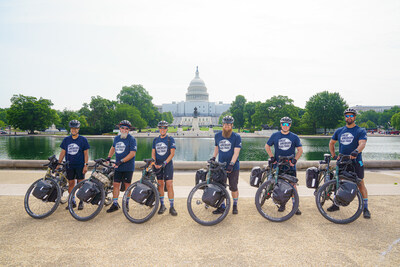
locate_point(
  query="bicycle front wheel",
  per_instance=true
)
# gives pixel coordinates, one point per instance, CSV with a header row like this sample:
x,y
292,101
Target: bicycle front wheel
x,y
39,208
203,213
337,213
140,212
272,210
85,211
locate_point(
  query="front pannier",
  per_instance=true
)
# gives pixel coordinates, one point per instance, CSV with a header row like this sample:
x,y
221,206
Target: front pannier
x,y
141,193
282,193
345,194
151,200
212,195
312,174
200,176
255,176
42,190
88,191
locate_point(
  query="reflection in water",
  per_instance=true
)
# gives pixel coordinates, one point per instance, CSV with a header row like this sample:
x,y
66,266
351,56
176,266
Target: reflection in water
x,y
188,149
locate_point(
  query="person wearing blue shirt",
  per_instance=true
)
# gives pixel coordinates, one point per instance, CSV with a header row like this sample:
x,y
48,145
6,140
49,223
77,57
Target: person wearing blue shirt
x,y
227,148
124,147
352,141
285,144
163,152
75,149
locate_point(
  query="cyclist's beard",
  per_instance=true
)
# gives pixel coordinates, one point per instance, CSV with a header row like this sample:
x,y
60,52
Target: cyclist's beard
x,y
226,133
124,135
285,131
349,122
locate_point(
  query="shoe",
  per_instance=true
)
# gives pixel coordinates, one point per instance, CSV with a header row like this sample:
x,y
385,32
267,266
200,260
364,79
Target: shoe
x,y
282,208
172,211
235,209
219,210
333,208
114,207
162,209
367,214
73,206
298,212
80,206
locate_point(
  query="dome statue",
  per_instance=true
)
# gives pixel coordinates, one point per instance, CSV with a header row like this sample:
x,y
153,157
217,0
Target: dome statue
x,y
197,90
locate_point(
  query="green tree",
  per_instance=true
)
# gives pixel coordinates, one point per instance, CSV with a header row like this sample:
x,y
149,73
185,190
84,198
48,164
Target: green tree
x,y
386,116
395,121
369,115
3,115
29,113
326,109
130,113
167,116
65,117
237,110
249,110
102,115
368,125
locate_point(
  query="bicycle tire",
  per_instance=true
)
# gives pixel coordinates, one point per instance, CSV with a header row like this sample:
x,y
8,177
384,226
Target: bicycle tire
x,y
30,202
267,207
346,214
92,210
135,211
198,207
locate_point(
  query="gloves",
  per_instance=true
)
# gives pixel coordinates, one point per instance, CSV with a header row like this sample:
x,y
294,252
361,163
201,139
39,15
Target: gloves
x,y
354,153
108,158
212,159
294,161
272,159
230,167
334,157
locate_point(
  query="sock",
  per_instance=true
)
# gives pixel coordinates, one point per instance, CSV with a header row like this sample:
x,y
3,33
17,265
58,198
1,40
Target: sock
x,y
162,200
293,200
115,200
235,201
365,200
127,199
171,202
73,199
223,205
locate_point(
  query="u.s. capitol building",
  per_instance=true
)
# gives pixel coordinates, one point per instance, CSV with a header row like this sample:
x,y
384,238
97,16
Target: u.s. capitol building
x,y
196,97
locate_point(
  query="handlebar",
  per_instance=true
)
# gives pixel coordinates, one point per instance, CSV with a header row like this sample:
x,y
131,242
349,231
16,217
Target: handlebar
x,y
284,160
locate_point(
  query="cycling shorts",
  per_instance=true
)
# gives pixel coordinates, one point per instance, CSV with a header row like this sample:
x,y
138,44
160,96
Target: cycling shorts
x,y
233,178
75,173
166,173
124,176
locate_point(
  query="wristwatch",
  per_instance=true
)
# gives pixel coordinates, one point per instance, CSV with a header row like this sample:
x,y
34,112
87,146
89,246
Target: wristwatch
x,y
86,164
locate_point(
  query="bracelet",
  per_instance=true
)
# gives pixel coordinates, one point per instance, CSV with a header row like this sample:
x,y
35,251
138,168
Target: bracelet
x,y
165,162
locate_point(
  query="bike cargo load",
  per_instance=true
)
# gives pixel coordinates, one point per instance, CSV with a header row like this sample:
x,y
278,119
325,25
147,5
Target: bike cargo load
x,y
255,176
88,191
346,193
219,176
282,193
212,195
312,174
151,199
42,190
201,176
141,193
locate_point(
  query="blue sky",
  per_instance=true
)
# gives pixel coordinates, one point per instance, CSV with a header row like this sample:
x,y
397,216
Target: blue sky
x,y
68,51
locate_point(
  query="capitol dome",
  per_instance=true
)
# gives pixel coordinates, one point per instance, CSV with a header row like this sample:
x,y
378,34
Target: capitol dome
x,y
197,90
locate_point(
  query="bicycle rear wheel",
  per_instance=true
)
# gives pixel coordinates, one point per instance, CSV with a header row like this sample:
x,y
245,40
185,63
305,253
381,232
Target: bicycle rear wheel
x,y
140,212
38,208
91,208
269,208
345,214
203,213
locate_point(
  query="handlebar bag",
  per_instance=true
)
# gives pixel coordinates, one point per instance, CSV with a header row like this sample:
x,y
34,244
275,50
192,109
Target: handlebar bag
x,y
212,195
312,174
282,193
255,176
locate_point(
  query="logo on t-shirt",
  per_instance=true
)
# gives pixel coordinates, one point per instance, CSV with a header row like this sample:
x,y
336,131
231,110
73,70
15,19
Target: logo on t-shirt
x,y
346,138
161,148
225,145
120,147
284,144
73,149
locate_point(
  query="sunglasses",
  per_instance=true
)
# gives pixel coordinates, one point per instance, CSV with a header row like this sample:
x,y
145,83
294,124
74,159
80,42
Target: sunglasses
x,y
163,128
349,116
285,124
124,128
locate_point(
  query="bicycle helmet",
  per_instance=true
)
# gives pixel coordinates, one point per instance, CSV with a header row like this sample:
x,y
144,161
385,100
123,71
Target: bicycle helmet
x,y
74,124
228,120
287,120
350,110
125,123
162,124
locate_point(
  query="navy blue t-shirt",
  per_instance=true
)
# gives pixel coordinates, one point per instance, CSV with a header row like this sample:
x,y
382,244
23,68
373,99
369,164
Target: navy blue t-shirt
x,y
348,139
74,149
122,148
161,148
284,144
226,147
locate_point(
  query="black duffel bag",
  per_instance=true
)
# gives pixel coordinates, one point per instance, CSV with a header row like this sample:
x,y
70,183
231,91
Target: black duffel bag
x,y
212,195
219,176
282,193
88,191
255,176
43,189
200,176
346,193
141,193
312,174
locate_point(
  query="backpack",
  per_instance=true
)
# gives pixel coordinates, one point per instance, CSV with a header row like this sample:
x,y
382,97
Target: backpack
x,y
345,194
43,189
141,193
255,177
312,174
88,191
212,195
200,176
282,193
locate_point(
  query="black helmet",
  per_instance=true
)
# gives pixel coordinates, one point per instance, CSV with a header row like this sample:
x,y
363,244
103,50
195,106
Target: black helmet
x,y
228,120
125,123
287,120
162,124
350,110
74,124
